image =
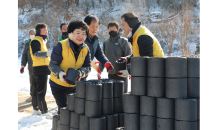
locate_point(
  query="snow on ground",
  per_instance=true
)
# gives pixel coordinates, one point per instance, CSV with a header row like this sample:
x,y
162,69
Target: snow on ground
x,y
34,122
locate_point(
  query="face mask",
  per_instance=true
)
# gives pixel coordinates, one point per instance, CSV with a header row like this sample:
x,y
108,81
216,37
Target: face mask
x,y
64,34
32,36
113,33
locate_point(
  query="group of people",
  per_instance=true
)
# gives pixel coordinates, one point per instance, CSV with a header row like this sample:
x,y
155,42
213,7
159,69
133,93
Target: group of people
x,y
76,48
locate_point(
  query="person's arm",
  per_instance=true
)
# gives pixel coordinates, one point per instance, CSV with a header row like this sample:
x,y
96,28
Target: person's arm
x,y
145,44
86,68
24,59
36,48
102,65
56,59
100,55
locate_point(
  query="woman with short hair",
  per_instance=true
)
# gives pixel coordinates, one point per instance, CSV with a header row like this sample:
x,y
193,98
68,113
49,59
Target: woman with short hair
x,y
69,53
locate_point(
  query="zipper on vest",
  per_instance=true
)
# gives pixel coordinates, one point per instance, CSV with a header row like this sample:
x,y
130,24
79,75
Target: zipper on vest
x,y
44,60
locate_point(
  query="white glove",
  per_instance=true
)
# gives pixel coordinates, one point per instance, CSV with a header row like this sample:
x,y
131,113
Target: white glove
x,y
61,74
124,74
48,53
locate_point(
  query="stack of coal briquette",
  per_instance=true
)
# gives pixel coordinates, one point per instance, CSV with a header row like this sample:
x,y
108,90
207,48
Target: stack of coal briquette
x,y
164,94
96,105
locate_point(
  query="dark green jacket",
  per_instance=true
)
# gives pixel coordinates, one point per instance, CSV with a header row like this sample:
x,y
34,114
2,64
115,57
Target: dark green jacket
x,y
26,57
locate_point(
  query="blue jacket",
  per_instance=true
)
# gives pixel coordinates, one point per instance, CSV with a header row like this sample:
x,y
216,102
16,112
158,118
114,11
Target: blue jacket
x,y
95,49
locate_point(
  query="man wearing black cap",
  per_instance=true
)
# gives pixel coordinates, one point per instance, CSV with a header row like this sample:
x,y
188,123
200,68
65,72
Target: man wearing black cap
x,y
144,43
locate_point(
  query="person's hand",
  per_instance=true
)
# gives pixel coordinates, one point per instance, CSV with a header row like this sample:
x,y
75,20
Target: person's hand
x,y
109,66
61,76
48,53
79,76
123,58
99,76
21,69
97,68
123,73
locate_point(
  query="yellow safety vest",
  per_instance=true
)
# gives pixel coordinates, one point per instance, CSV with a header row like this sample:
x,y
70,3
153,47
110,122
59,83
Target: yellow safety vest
x,y
157,50
39,61
69,61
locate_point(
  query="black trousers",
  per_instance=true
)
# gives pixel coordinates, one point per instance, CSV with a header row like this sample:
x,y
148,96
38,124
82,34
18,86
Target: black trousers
x,y
116,77
38,93
31,78
60,96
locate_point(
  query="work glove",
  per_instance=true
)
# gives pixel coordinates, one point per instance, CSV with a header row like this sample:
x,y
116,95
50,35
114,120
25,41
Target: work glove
x,y
79,76
48,53
99,76
109,66
97,68
123,73
22,69
61,76
123,58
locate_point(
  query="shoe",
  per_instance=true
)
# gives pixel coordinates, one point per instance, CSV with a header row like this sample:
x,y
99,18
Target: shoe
x,y
36,112
47,115
29,99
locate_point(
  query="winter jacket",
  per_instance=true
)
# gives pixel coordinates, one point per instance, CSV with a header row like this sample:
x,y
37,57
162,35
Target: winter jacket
x,y
153,49
26,57
114,48
95,49
144,43
67,54
38,53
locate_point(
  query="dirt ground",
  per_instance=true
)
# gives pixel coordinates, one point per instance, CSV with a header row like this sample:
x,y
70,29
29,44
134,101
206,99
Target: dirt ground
x,y
26,107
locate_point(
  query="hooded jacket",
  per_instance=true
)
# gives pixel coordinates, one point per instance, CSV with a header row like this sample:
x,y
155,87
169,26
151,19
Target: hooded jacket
x,y
114,48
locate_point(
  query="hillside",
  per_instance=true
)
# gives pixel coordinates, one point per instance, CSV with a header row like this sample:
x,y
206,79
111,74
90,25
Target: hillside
x,y
178,36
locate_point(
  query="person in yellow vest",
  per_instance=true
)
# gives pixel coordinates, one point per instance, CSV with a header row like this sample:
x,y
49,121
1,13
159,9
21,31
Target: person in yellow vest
x,y
41,58
144,43
69,53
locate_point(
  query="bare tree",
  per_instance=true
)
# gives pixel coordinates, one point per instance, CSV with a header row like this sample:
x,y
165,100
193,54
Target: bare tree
x,y
168,32
111,2
87,5
77,2
93,4
186,29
